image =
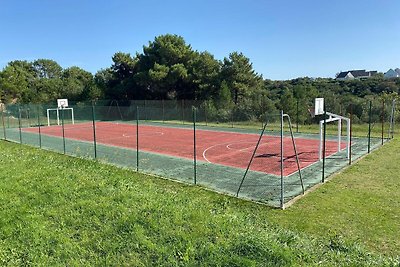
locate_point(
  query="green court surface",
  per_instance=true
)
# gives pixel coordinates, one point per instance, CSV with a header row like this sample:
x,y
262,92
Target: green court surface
x,y
258,186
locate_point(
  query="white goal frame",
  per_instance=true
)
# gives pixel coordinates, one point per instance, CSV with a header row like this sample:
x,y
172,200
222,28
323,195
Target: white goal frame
x,y
339,119
58,114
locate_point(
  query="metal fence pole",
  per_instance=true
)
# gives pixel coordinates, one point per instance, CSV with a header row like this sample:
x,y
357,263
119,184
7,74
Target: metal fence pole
x,y
28,114
295,152
324,147
39,127
62,126
391,121
163,111
282,182
19,125
369,126
351,131
2,120
297,115
94,131
183,111
382,118
393,118
137,138
194,146
205,113
251,159
232,112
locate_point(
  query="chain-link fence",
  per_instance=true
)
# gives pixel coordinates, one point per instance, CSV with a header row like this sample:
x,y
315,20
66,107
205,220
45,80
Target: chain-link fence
x,y
262,155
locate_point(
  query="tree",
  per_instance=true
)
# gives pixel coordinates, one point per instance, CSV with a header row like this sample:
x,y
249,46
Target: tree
x,y
16,82
238,72
78,84
205,76
163,68
47,82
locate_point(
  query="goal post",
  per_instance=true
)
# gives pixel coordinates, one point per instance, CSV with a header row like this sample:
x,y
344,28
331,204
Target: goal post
x,y
62,104
319,110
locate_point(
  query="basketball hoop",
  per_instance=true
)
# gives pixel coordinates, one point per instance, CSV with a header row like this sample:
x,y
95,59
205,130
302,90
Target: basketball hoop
x,y
62,103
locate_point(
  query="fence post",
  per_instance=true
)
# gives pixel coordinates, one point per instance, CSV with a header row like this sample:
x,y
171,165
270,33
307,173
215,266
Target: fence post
x,y
232,112
205,113
163,111
391,121
324,147
351,130
39,127
137,138
382,118
28,114
282,182
369,126
19,124
94,131
183,111
2,120
297,115
62,126
194,146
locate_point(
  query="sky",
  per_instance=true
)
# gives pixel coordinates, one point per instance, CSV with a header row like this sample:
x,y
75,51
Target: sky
x,y
284,39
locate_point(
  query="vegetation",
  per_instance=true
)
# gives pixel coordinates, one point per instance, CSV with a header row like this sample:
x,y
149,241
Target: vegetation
x,y
169,68
68,211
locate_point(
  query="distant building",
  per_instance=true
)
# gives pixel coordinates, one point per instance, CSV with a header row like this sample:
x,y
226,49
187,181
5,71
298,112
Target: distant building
x,y
392,73
355,74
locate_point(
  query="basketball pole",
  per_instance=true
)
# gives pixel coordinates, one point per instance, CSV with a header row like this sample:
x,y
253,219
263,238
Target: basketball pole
x,y
62,125
324,147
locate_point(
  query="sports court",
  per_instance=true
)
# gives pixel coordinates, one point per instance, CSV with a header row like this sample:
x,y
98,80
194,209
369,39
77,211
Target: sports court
x,y
265,161
215,147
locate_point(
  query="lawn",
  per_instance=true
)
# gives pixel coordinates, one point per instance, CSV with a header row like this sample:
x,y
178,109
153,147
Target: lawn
x,y
59,210
362,203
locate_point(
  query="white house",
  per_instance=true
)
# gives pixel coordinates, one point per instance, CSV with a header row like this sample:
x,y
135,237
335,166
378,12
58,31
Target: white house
x,y
392,73
355,74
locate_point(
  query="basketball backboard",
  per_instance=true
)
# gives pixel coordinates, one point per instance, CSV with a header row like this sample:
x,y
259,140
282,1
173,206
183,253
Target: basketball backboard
x,y
62,103
319,106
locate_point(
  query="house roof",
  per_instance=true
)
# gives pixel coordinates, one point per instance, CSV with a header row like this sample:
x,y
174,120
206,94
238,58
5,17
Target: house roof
x,y
359,73
342,74
397,70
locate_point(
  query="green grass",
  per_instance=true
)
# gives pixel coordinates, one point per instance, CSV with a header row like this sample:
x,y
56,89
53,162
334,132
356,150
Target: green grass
x,y
59,210
362,203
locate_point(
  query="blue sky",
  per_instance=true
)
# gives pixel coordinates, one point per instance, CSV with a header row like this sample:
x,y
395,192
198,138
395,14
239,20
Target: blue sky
x,y
283,39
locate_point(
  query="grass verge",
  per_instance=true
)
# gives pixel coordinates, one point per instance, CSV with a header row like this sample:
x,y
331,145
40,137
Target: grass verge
x,y
362,203
59,210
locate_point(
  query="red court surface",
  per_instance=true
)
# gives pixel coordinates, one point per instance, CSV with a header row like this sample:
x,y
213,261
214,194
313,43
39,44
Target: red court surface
x,y
216,147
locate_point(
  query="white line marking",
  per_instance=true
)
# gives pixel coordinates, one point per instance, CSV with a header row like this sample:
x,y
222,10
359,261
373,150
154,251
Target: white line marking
x,y
227,145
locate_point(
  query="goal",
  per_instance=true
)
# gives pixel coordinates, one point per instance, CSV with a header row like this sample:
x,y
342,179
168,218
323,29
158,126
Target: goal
x,y
320,110
62,104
